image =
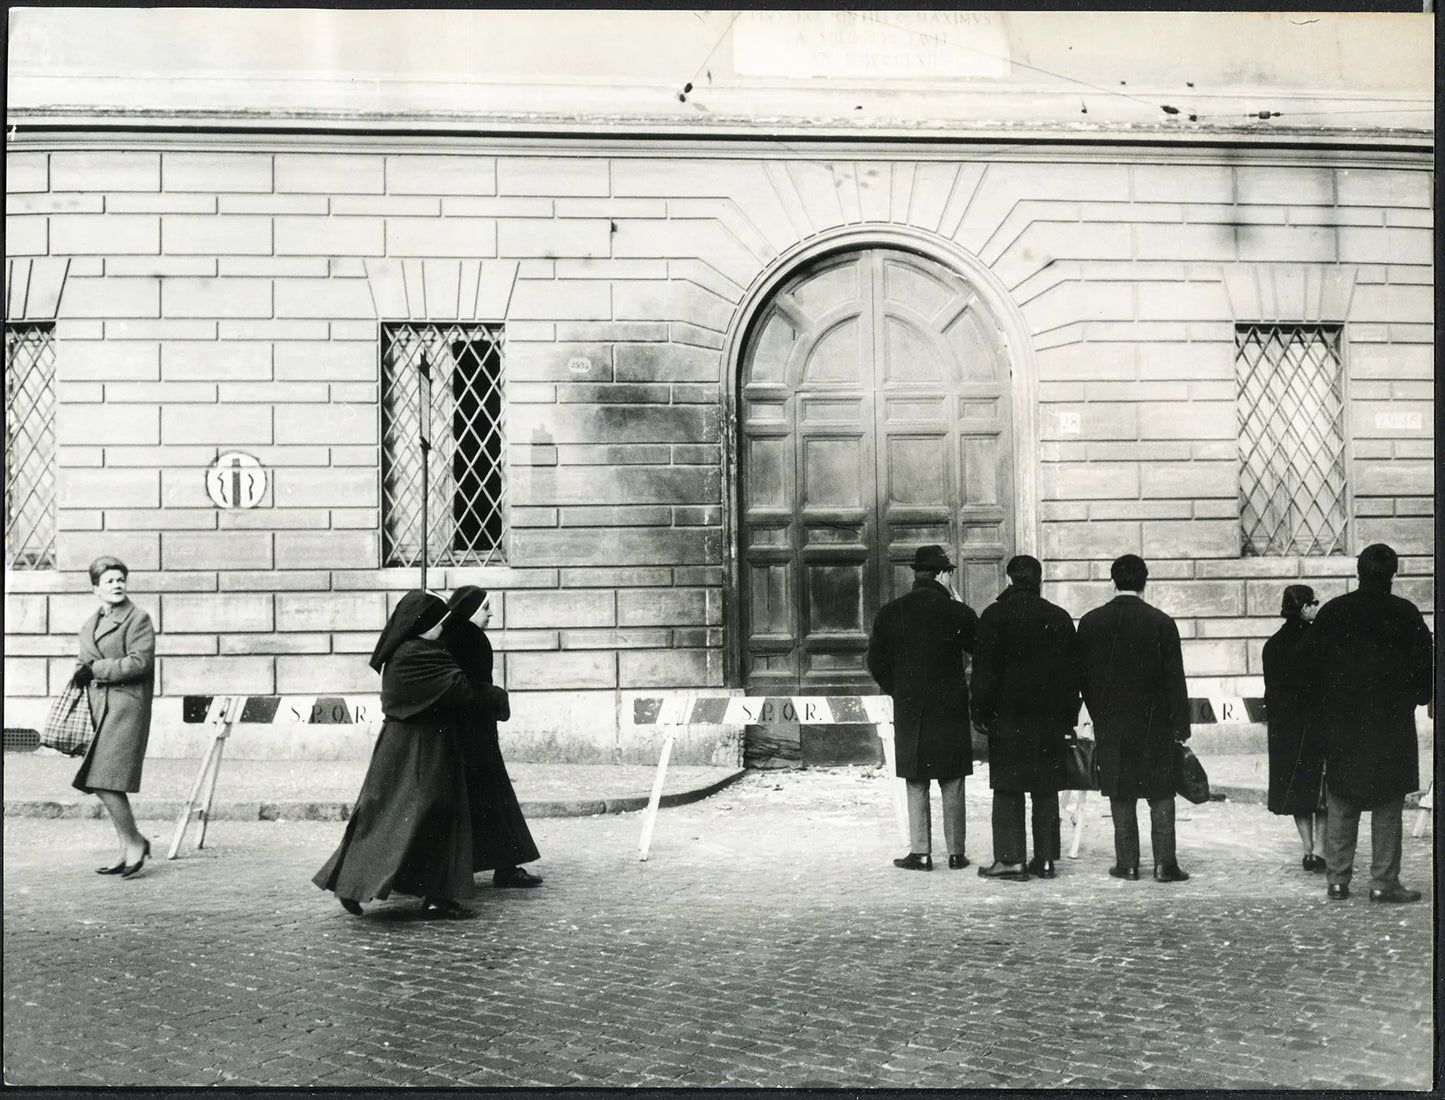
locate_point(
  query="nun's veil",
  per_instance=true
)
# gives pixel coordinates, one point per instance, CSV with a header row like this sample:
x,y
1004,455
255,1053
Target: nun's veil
x,y
416,613
465,601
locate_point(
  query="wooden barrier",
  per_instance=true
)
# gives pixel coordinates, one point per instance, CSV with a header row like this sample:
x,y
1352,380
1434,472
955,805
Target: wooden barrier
x,y
680,709
224,712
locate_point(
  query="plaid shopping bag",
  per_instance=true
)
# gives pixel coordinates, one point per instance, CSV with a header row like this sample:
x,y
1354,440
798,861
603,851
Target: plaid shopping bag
x,y
69,727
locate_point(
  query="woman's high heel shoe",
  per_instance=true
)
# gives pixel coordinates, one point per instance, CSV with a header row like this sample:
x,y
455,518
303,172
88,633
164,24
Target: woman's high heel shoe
x,y
130,870
112,870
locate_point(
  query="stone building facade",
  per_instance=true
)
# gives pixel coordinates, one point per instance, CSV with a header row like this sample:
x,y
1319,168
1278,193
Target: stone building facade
x,y
722,385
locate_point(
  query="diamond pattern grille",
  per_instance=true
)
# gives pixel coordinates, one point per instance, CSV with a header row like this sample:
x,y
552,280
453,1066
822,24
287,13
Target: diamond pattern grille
x,y
30,446
466,507
1291,439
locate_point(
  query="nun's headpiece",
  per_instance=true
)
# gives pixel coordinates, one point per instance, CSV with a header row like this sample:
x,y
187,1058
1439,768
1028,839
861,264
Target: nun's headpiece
x,y
465,601
416,613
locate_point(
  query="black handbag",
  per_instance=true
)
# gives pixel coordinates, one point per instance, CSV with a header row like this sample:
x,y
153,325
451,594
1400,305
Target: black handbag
x,y
1190,779
1081,765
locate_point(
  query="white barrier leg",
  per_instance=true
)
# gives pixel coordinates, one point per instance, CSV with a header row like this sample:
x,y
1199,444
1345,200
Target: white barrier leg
x,y
897,788
650,816
225,710
1077,814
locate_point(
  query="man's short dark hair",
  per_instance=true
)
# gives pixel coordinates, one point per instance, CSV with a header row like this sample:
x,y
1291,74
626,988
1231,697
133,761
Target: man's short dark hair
x,y
1129,573
1025,569
1377,562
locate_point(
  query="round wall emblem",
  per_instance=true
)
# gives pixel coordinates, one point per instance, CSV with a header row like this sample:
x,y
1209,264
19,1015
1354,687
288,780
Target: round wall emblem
x,y
236,480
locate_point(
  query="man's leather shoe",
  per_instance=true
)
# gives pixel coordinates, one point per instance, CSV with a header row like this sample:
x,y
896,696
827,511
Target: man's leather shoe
x,y
1338,891
1014,872
515,876
1170,872
1129,873
1397,894
957,863
914,862
1043,868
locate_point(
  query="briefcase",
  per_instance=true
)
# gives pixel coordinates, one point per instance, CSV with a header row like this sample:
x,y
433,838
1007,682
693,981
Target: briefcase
x,y
1081,766
1190,779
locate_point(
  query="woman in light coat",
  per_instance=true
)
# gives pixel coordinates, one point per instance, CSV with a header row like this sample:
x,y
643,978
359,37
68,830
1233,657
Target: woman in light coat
x,y
117,669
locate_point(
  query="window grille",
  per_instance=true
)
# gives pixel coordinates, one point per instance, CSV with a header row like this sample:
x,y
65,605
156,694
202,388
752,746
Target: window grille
x,y
1291,439
466,507
30,446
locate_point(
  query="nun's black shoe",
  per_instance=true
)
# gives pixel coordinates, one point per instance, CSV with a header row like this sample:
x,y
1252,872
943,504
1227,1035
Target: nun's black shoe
x,y
351,905
515,876
442,909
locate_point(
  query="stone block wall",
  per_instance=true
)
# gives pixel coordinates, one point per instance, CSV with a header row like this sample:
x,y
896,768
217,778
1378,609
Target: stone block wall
x,y
215,299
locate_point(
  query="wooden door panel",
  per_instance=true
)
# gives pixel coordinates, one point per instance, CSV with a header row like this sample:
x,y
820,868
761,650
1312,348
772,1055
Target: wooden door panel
x,y
873,421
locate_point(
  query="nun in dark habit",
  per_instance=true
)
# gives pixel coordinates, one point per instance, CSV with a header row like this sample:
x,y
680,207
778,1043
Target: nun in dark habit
x,y
410,831
501,840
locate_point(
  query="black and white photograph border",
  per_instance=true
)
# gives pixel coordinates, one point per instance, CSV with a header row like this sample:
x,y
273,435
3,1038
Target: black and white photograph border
x,y
770,374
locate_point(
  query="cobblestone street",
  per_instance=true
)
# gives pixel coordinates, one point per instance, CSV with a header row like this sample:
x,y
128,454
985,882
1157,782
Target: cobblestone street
x,y
767,942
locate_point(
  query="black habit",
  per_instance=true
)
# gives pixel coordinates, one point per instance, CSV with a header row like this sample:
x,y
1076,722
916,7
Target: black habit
x,y
500,837
916,653
410,831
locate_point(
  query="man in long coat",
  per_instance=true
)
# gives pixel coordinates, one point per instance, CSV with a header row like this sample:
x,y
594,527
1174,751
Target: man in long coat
x,y
916,653
1026,699
1131,673
1369,658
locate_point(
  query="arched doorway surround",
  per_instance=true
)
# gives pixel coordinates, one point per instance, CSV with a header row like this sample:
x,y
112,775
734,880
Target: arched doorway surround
x,y
884,398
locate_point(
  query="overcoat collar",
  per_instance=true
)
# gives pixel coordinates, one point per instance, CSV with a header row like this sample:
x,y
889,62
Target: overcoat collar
x,y
110,618
932,586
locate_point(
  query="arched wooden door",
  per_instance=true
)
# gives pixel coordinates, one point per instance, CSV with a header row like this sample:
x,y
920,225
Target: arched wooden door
x,y
874,418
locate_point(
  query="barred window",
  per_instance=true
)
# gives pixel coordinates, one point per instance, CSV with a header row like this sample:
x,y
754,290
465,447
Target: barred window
x,y
30,446
1291,439
466,506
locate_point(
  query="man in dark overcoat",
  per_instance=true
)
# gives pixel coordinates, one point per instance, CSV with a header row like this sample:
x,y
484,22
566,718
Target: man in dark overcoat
x,y
1131,674
1369,657
916,653
1026,699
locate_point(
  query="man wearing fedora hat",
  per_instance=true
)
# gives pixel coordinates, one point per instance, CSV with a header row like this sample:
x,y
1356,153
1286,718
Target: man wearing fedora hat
x,y
916,653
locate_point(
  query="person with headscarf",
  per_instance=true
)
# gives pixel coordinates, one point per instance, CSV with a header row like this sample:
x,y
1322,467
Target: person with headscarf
x,y
501,841
1296,754
410,831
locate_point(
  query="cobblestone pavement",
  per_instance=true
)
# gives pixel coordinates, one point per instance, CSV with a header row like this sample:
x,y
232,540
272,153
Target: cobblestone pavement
x,y
767,942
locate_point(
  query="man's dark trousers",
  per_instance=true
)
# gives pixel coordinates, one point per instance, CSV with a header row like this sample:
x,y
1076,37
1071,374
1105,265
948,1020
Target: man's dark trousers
x,y
1126,831
1009,842
1342,831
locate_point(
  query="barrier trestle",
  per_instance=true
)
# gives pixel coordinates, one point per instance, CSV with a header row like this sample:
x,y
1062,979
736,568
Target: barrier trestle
x,y
677,710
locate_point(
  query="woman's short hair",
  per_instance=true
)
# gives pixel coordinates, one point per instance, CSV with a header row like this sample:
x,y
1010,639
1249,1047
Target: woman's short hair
x,y
1295,599
103,565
